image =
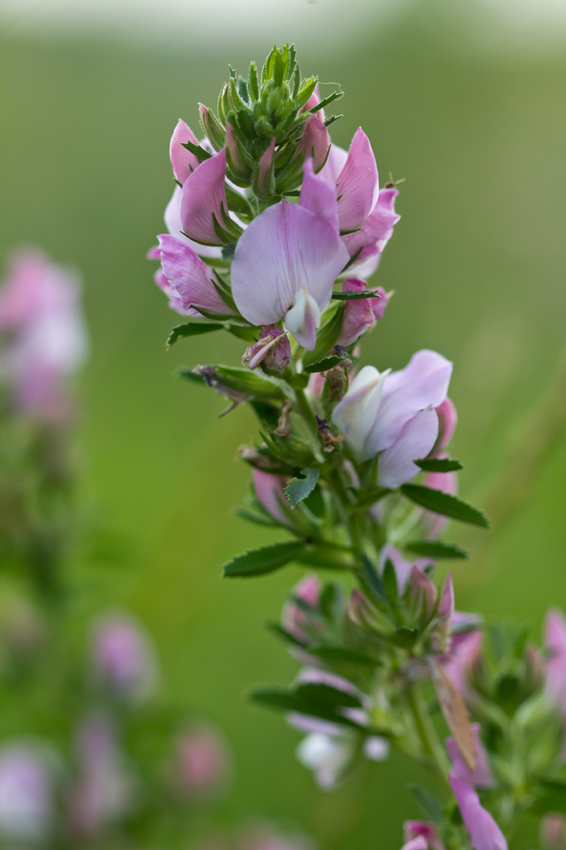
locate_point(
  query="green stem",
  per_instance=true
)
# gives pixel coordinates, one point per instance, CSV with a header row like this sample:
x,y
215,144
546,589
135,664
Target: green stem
x,y
308,416
427,734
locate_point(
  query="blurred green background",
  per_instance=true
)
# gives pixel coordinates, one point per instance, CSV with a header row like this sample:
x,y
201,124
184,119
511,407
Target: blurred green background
x,y
477,263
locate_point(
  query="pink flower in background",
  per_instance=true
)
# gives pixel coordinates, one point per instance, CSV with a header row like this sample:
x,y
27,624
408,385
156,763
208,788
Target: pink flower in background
x,y
27,803
403,567
555,642
360,315
481,776
265,836
45,334
415,829
465,648
295,619
287,260
123,657
103,791
418,843
553,831
202,762
392,414
483,831
270,494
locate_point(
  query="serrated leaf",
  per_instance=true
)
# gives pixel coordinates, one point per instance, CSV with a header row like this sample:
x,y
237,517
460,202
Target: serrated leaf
x,y
355,296
255,383
192,329
445,504
299,488
200,153
429,806
326,337
324,364
439,464
436,549
327,101
262,561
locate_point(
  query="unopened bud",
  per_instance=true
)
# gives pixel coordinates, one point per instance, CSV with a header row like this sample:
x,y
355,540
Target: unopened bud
x,y
26,793
447,421
360,315
271,495
212,128
315,142
423,595
553,832
273,349
365,615
123,658
295,619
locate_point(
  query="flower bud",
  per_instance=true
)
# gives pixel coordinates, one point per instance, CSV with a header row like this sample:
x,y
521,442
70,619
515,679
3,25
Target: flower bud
x,y
423,596
123,658
482,828
295,619
365,615
360,315
315,142
420,829
202,762
447,421
555,643
273,349
270,494
27,805
553,832
264,179
212,128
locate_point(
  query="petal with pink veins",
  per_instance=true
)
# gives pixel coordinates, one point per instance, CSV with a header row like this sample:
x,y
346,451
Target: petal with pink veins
x,y
414,442
357,186
189,277
183,161
204,198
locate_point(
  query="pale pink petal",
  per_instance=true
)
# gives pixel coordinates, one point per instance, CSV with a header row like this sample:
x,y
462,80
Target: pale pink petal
x,y
204,197
357,185
265,164
376,230
334,165
414,442
183,161
555,642
483,831
189,277
270,494
318,197
447,421
173,223
284,250
421,384
360,315
428,831
418,843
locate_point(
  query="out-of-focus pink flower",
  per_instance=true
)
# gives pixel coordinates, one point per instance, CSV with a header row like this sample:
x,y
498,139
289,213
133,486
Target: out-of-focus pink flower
x,y
123,657
420,829
266,837
446,482
327,756
418,843
103,791
46,336
295,619
447,421
481,776
465,648
27,805
202,762
360,315
270,494
187,279
392,414
402,567
287,260
273,349
483,831
555,642
553,831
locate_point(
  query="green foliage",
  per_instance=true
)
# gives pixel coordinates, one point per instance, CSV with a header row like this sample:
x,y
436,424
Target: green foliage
x,y
439,464
324,364
355,296
299,488
445,504
435,549
194,328
259,562
326,337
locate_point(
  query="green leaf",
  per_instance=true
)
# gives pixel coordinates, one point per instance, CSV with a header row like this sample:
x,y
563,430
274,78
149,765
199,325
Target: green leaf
x,y
439,464
405,637
369,498
258,562
343,655
255,383
326,337
199,152
299,488
192,329
429,806
436,549
256,518
315,503
324,364
299,381
445,504
355,296
390,582
336,95
187,374
284,635
320,692
373,579
282,700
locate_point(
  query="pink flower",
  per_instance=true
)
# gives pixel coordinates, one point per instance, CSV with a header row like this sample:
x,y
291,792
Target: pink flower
x,y
415,829
187,280
103,792
483,831
204,200
123,657
555,642
273,349
481,776
40,310
447,421
392,414
315,141
27,805
418,843
183,161
465,649
553,831
202,762
287,259
360,315
270,494
295,619
362,207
